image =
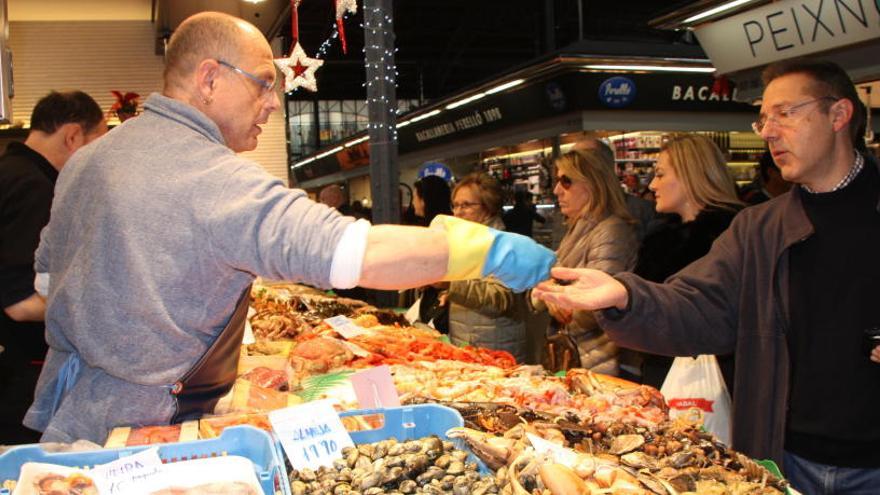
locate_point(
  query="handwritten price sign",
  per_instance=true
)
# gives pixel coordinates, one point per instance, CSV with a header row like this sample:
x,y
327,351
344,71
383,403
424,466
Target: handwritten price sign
x,y
311,434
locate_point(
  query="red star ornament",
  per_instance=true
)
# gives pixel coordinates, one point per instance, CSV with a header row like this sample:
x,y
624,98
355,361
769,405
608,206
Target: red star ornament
x,y
299,70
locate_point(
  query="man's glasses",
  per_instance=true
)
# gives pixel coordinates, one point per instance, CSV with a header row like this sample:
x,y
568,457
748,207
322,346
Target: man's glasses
x,y
266,85
464,205
784,116
564,181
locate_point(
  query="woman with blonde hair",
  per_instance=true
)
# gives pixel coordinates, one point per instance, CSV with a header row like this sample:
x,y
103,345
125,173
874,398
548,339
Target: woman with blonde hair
x,y
601,235
483,312
691,181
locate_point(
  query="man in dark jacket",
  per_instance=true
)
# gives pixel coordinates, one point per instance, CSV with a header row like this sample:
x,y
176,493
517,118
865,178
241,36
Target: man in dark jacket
x,y
60,124
791,287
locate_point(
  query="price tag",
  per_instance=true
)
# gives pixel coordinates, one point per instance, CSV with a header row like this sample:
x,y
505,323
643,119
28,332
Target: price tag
x,y
312,434
133,475
345,327
374,388
559,453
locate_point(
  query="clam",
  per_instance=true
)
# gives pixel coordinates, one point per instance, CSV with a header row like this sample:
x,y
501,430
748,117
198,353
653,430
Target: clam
x,y
408,486
431,473
297,487
639,460
626,443
443,461
455,468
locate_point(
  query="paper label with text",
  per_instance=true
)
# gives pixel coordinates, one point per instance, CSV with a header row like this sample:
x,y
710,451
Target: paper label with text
x,y
311,434
133,474
345,327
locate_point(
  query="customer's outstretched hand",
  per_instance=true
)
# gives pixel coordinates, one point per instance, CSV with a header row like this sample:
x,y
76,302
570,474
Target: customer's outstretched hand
x,y
582,288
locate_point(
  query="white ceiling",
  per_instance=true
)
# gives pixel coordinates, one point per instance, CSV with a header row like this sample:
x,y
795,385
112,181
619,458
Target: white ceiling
x,y
79,10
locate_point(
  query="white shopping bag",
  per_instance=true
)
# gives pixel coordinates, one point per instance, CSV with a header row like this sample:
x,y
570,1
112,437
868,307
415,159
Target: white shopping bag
x,y
694,386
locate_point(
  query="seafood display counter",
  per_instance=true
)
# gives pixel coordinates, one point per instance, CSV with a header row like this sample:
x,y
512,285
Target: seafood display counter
x,y
516,429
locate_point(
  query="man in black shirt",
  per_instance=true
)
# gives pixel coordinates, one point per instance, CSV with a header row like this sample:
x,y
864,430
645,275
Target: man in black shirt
x,y
792,286
61,123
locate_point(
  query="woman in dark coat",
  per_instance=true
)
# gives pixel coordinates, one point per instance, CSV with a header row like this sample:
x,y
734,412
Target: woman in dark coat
x,y
691,182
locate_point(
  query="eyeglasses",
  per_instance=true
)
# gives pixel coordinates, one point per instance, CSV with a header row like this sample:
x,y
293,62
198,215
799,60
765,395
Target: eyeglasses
x,y
564,181
464,205
784,116
266,85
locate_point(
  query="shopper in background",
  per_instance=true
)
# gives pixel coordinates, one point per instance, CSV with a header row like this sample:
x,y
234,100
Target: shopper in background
x,y
791,286
640,209
61,123
484,312
522,217
159,228
334,197
767,185
600,235
431,198
691,181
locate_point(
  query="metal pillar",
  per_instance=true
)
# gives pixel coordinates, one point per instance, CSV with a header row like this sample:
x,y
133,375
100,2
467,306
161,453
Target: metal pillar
x,y
382,110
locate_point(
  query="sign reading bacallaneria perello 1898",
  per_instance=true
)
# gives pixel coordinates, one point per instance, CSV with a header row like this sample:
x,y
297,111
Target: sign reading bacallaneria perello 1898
x,y
786,29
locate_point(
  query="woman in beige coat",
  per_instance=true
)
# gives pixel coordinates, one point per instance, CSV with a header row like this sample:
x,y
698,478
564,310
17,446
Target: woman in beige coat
x,y
600,235
483,312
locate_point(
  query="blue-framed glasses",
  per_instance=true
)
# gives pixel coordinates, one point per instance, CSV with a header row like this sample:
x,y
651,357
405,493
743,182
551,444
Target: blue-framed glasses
x,y
266,85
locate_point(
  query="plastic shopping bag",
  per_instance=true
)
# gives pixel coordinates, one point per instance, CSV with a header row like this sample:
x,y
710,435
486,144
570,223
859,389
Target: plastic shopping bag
x,y
695,386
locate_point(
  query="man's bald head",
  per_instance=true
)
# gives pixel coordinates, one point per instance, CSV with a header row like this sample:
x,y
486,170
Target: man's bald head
x,y
207,35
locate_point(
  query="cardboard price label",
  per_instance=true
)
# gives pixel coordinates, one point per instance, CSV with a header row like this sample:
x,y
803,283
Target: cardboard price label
x,y
134,474
345,327
311,434
374,388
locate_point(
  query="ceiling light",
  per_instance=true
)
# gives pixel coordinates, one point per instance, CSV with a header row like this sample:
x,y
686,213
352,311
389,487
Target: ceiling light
x,y
464,101
356,141
651,68
328,152
404,123
254,1
507,85
307,160
716,10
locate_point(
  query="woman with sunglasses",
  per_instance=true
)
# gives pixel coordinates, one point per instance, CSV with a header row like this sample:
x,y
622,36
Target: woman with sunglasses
x,y
483,312
601,235
691,182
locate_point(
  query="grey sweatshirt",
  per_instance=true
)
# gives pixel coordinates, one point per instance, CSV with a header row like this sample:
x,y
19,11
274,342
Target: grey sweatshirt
x,y
155,231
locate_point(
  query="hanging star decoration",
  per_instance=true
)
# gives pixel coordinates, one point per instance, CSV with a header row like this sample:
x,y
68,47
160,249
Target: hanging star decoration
x,y
346,7
299,70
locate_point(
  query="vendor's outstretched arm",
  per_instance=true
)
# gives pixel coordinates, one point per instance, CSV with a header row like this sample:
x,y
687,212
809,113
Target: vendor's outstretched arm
x,y
399,257
452,249
584,289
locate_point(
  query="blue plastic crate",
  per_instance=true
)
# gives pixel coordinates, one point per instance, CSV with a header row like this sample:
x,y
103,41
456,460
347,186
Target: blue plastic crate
x,y
407,422
412,422
245,441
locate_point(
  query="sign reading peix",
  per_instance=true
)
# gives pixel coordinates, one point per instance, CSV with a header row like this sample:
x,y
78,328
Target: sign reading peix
x,y
788,28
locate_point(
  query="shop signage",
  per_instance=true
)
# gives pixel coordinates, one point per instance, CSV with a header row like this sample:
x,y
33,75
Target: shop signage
x,y
567,92
617,92
786,29
477,118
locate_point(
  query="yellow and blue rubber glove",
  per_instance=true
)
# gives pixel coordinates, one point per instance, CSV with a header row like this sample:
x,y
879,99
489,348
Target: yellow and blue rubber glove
x,y
477,251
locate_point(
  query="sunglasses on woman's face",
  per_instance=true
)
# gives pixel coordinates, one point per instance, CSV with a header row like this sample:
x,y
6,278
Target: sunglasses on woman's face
x,y
564,181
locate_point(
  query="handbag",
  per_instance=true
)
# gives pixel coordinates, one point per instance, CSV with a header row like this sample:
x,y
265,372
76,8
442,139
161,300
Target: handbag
x,y
694,387
561,353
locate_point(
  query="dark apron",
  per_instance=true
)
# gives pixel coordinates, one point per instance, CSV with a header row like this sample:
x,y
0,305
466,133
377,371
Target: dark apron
x,y
214,373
